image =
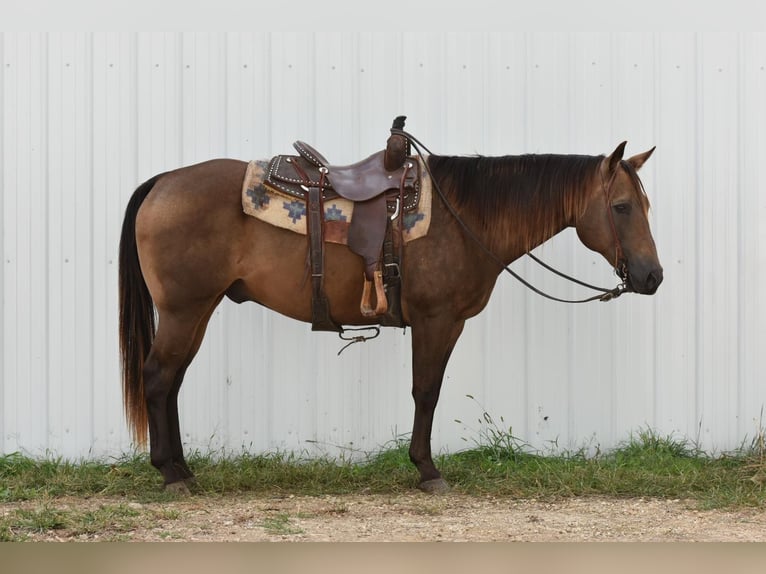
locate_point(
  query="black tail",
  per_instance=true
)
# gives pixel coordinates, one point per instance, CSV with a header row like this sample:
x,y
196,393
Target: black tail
x,y
137,319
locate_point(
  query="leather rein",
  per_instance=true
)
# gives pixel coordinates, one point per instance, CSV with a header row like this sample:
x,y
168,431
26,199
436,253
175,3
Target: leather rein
x,y
619,265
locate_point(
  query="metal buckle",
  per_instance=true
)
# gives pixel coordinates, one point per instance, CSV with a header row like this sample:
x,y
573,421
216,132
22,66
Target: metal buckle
x,y
397,271
397,210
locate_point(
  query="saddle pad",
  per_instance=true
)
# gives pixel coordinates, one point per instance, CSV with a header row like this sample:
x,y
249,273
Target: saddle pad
x,y
272,206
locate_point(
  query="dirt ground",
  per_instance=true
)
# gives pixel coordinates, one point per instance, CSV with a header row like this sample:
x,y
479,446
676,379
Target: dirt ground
x,y
406,517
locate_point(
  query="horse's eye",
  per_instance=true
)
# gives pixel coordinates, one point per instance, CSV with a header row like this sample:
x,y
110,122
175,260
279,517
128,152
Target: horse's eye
x,y
622,208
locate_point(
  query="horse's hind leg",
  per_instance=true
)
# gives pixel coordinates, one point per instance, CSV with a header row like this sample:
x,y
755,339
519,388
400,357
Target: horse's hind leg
x,y
174,429
176,446
178,338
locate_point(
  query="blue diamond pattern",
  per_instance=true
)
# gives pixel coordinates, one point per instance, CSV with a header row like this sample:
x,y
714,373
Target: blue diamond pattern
x,y
334,214
295,210
258,196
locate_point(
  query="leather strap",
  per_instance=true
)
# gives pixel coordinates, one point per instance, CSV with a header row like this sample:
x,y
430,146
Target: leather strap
x,y
392,277
320,307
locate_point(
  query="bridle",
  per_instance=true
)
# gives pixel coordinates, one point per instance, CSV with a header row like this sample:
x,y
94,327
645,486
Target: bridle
x,y
620,261
620,264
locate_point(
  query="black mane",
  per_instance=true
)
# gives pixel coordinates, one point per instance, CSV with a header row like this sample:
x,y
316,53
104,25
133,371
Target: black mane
x,y
535,194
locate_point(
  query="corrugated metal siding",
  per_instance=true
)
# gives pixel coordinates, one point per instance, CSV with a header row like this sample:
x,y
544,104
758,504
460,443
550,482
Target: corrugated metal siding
x,y
87,117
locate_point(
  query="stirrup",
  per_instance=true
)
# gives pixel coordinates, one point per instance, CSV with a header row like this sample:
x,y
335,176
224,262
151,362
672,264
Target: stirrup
x,y
381,303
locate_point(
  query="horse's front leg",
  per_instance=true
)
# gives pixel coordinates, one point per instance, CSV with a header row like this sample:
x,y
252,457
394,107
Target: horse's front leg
x,y
432,342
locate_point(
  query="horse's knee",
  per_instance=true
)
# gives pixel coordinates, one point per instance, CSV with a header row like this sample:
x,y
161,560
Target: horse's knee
x,y
426,397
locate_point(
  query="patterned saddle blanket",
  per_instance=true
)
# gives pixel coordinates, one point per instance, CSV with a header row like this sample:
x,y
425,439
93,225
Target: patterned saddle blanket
x,y
281,206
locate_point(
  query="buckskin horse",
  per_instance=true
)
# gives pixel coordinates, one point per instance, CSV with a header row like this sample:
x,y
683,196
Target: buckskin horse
x,y
186,244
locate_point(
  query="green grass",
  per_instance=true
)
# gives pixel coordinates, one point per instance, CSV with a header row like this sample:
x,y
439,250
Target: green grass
x,y
646,465
499,465
107,522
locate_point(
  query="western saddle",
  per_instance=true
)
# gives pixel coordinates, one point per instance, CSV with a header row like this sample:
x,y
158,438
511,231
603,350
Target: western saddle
x,y
383,187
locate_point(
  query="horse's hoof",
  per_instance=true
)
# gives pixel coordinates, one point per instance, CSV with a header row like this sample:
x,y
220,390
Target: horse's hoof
x,y
434,486
190,481
178,488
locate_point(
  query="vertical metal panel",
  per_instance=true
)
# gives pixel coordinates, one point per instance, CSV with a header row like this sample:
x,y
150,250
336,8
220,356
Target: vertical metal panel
x,y
717,237
114,173
25,230
87,117
3,123
675,197
751,252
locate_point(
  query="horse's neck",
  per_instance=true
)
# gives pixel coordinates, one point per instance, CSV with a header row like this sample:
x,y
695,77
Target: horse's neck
x,y
515,235
518,246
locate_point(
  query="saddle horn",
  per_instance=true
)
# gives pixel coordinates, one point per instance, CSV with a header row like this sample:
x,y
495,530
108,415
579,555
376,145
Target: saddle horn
x,y
397,146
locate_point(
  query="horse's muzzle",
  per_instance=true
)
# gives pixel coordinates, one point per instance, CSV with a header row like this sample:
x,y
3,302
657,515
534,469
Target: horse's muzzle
x,y
645,283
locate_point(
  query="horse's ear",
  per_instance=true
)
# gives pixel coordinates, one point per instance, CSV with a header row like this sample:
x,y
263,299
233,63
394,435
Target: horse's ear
x,y
614,160
638,160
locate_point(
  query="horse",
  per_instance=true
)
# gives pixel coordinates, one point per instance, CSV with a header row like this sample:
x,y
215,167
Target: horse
x,y
186,244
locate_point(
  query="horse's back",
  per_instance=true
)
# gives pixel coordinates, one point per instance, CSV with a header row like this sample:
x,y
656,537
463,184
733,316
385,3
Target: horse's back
x,y
201,186
205,176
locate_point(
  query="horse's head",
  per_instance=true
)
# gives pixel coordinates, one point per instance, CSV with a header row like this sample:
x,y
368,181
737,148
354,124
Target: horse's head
x,y
615,222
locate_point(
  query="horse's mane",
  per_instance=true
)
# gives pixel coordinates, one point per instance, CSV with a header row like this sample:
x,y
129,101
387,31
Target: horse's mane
x,y
529,196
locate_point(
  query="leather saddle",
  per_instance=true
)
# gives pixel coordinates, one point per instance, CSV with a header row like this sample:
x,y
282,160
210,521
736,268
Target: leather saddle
x,y
383,187
358,182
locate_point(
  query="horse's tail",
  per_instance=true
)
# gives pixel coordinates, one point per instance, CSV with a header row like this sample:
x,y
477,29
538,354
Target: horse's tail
x,y
137,319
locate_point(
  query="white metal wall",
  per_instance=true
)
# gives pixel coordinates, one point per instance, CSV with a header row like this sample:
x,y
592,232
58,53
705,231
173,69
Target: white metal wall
x,y
87,117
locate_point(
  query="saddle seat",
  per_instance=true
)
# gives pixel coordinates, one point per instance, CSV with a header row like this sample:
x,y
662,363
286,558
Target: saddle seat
x,y
358,181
